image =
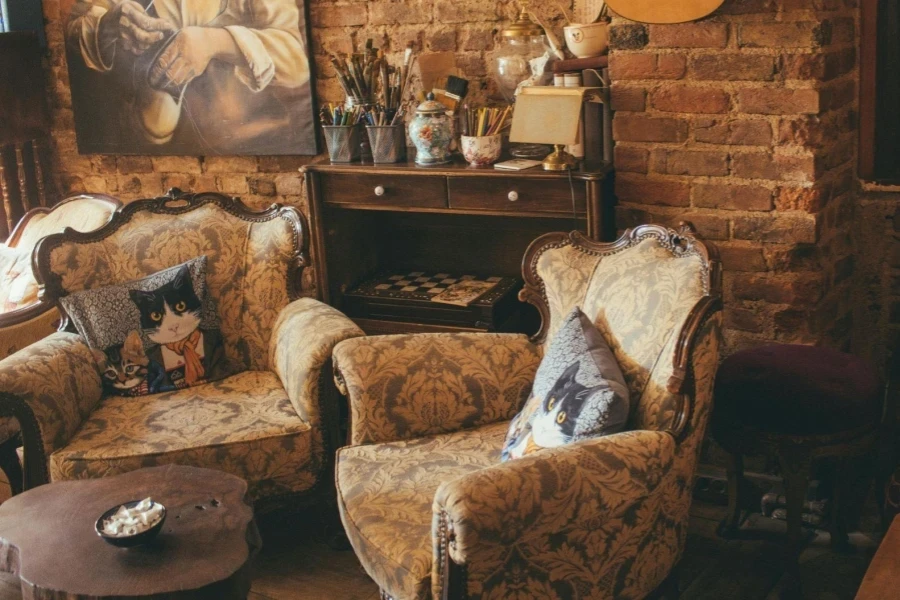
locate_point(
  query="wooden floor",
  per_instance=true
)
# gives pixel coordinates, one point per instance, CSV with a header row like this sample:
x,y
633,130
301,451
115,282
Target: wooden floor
x,y
297,564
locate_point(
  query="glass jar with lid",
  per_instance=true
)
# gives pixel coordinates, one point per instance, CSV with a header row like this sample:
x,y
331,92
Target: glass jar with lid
x,y
521,57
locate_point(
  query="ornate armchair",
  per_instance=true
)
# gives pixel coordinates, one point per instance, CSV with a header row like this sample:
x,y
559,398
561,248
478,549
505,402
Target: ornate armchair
x,y
270,423
29,319
432,512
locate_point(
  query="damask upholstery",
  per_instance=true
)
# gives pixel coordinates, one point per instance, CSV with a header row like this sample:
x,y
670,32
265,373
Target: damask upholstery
x,y
406,386
244,425
600,518
266,423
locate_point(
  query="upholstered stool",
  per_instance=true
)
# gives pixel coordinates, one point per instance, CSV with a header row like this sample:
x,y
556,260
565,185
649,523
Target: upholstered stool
x,y
796,403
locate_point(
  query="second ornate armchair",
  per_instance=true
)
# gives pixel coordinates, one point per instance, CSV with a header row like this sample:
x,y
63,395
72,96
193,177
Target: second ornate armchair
x,y
268,423
432,512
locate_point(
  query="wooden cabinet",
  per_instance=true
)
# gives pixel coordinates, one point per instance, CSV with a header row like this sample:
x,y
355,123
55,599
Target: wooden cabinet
x,y
367,219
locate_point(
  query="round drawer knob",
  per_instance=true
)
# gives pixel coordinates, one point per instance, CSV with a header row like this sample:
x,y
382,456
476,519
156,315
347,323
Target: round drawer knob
x,y
379,190
513,196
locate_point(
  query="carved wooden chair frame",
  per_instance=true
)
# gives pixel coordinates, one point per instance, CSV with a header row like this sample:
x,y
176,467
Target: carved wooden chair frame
x,y
682,242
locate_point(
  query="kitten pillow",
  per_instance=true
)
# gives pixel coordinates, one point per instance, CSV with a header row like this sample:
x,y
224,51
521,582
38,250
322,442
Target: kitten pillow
x,y
155,334
579,392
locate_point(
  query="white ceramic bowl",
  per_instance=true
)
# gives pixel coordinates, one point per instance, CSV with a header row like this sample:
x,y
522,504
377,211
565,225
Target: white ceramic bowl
x,y
585,41
481,151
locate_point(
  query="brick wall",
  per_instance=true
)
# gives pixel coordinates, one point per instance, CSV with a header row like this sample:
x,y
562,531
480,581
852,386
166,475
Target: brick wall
x,y
743,123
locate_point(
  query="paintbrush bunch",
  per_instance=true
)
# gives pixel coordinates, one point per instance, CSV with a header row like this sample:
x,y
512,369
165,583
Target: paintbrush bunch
x,y
485,121
381,116
365,76
338,115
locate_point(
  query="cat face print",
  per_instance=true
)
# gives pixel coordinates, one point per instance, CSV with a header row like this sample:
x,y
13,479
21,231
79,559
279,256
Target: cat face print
x,y
123,366
172,312
554,422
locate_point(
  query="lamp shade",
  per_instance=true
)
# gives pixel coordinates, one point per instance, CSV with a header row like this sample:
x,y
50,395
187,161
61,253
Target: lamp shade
x,y
546,118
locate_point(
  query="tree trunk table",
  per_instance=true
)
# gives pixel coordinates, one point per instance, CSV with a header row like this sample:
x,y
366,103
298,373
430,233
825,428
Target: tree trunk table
x,y
204,550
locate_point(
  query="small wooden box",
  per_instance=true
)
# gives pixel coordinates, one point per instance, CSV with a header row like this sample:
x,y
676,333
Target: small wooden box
x,y
406,297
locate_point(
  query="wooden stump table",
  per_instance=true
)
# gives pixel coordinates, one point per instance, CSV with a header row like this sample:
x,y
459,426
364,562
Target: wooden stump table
x,y
204,550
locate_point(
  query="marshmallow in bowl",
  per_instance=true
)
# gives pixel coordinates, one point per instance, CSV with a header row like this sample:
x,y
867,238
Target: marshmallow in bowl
x,y
132,521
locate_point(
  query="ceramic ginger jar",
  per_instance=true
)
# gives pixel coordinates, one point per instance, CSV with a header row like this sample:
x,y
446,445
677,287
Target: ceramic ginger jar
x,y
431,131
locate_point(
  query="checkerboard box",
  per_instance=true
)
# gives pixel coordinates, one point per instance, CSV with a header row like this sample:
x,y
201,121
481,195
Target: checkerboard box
x,y
406,297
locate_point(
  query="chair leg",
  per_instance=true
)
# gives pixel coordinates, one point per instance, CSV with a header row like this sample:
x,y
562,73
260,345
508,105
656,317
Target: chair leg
x,y
840,541
735,470
9,462
795,468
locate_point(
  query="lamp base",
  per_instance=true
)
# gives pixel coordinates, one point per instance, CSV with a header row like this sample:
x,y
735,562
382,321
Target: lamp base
x,y
559,160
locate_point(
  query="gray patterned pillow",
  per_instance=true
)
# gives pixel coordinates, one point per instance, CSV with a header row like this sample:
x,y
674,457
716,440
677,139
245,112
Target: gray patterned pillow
x,y
579,392
152,335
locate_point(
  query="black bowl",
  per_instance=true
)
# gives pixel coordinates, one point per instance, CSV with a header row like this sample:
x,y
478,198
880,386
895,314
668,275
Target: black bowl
x,y
127,541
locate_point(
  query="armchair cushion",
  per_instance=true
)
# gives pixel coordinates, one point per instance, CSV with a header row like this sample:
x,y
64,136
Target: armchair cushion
x,y
155,334
578,392
244,425
385,497
408,386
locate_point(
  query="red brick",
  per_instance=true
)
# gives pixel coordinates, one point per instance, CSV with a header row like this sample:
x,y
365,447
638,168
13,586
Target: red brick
x,y
630,36
384,12
738,132
685,99
646,66
732,197
176,164
803,66
229,164
838,94
775,229
261,186
442,41
778,101
744,319
843,31
803,131
134,164
640,190
795,34
629,159
792,288
282,164
453,11
811,199
745,7
686,162
838,63
732,67
628,98
777,167
742,258
709,227
642,128
332,16
690,35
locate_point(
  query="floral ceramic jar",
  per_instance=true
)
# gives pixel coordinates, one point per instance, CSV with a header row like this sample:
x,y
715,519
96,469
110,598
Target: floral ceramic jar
x,y
431,132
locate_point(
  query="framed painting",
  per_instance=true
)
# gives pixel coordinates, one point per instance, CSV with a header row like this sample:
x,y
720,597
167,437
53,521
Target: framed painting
x,y
195,77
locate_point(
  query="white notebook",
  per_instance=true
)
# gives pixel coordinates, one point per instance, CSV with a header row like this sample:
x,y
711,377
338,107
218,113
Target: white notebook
x,y
517,164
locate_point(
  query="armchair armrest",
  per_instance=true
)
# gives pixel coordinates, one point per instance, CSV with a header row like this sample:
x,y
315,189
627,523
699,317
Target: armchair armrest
x,y
563,503
303,337
406,386
51,387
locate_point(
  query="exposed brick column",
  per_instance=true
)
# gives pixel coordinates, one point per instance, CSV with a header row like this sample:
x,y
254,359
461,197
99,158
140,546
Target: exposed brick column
x,y
744,123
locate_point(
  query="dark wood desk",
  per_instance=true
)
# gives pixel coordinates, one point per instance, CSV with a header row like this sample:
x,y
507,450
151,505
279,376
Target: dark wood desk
x,y
369,218
882,579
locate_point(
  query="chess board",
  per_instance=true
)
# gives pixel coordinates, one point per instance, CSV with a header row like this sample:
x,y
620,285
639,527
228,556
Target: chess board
x,y
406,296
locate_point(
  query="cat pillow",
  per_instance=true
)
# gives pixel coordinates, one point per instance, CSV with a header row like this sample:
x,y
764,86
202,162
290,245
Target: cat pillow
x,y
579,392
156,334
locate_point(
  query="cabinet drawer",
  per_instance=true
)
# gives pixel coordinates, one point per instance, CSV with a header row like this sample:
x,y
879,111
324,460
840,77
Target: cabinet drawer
x,y
515,194
389,190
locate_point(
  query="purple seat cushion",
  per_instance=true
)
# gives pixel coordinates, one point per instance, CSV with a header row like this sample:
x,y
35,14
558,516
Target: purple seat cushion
x,y
796,390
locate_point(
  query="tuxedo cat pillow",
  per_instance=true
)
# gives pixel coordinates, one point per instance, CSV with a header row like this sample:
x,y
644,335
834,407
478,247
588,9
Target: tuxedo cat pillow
x,y
152,335
579,392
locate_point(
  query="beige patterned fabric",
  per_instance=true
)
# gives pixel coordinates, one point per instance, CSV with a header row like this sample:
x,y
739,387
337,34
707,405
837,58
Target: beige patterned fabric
x,y
247,267
82,213
302,340
406,386
601,518
58,380
15,337
244,425
386,492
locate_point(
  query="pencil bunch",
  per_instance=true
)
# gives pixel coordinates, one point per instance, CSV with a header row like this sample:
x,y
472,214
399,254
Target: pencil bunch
x,y
337,115
381,116
484,121
367,75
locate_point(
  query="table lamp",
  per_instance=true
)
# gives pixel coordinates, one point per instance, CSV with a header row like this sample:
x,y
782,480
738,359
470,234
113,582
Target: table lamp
x,y
549,115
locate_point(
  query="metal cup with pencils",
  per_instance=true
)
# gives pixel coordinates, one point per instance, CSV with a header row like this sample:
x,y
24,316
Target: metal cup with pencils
x,y
386,134
342,131
481,141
